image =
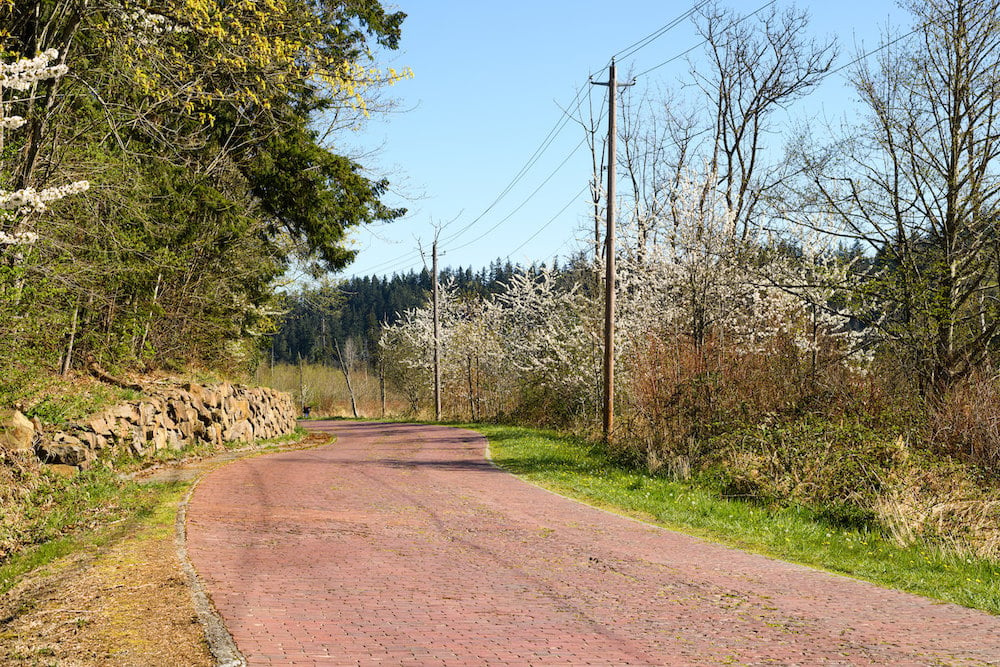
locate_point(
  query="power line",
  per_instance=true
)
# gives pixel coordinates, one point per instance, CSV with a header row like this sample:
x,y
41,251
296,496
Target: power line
x,y
626,52
638,45
703,42
550,221
561,123
526,199
385,264
537,189
549,139
522,172
413,255
564,119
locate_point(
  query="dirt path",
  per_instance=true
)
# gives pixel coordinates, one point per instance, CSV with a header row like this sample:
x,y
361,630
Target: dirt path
x,y
401,545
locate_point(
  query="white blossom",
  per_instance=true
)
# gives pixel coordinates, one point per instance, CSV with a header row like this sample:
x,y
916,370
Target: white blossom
x,y
11,122
143,21
18,238
24,73
533,333
30,200
697,279
20,75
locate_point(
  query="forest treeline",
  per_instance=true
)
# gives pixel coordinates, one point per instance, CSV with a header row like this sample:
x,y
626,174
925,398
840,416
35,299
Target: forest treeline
x,y
353,312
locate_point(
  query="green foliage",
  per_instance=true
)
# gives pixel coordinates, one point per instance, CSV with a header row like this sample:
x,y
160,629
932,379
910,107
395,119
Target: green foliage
x,y
206,182
314,194
131,502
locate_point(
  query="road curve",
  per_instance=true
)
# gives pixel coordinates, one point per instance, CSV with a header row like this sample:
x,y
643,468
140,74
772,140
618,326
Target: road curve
x,y
401,545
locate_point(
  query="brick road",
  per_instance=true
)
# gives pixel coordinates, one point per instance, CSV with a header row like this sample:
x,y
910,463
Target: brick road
x,y
401,545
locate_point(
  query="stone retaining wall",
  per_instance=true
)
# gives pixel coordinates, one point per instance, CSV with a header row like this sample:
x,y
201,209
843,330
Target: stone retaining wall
x,y
174,419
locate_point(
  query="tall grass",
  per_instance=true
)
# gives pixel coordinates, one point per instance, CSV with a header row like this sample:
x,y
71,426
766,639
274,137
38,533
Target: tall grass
x,y
323,390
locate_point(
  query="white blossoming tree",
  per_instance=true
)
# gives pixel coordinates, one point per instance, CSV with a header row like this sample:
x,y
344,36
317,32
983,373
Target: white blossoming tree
x,y
17,83
550,334
529,349
408,347
716,325
19,204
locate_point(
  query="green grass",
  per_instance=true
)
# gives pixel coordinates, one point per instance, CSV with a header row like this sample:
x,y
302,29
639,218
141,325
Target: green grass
x,y
575,468
84,513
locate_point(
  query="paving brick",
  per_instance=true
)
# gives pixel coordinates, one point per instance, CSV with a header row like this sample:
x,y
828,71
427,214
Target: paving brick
x,y
400,544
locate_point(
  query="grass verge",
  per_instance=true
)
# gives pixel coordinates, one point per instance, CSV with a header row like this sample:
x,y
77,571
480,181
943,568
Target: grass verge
x,y
577,469
93,601
93,508
63,515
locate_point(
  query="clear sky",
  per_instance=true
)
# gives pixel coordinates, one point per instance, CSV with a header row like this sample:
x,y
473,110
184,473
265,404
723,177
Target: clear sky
x,y
490,79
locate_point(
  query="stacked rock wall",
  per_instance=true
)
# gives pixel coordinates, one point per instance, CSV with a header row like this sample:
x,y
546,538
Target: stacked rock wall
x,y
174,419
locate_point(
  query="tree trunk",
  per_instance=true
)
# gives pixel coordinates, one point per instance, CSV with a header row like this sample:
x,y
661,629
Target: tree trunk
x,y
347,379
68,360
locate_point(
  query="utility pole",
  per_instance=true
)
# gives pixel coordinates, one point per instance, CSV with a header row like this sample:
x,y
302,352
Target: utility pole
x,y
610,272
437,331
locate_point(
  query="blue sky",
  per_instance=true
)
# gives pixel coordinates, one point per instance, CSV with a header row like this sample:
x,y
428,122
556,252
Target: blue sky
x,y
489,81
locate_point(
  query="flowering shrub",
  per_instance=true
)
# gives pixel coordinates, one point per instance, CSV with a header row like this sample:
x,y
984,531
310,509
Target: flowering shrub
x,y
30,200
551,335
20,76
24,73
531,350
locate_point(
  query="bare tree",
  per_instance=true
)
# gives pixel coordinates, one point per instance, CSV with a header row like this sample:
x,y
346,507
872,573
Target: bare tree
x,y
759,65
917,184
647,138
754,67
345,367
594,136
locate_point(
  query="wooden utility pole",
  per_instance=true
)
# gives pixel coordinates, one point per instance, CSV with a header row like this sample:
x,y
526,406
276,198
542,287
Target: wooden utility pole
x,y
437,331
610,271
381,383
302,385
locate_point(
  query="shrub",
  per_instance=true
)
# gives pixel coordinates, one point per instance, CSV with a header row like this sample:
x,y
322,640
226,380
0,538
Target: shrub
x,y
679,396
840,469
966,422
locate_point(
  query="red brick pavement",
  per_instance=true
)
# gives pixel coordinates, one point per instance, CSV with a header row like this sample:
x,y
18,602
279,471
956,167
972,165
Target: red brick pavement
x,y
401,545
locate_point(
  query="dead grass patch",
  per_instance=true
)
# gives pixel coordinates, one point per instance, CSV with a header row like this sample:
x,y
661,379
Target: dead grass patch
x,y
123,604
